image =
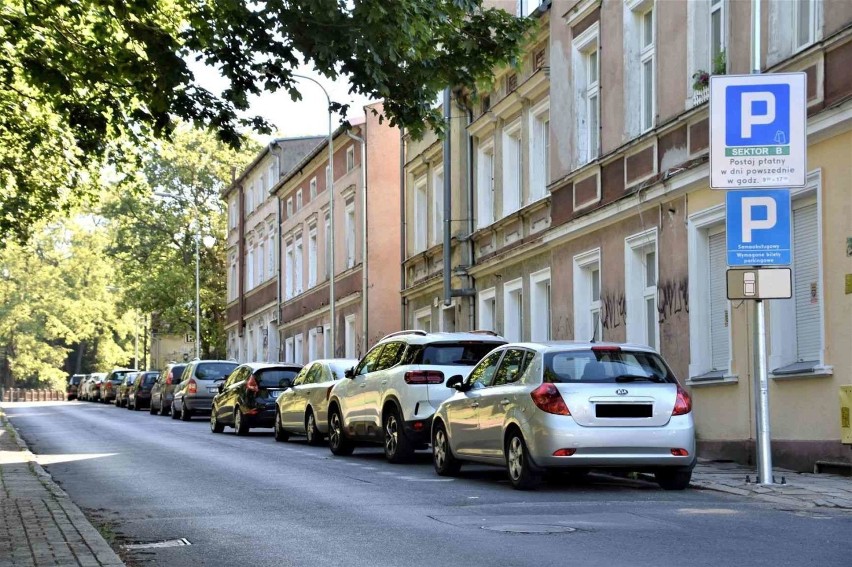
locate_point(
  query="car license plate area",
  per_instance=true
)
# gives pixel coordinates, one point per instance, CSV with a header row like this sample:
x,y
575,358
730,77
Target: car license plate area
x,y
274,394
213,390
623,410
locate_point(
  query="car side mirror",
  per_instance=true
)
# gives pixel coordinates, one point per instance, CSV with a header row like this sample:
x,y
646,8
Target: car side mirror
x,y
286,383
221,387
455,382
349,372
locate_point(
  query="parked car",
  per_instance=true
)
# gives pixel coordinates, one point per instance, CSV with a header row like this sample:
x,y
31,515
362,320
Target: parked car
x,y
139,393
198,386
109,389
164,388
82,389
391,395
568,406
124,389
303,408
93,386
247,397
72,388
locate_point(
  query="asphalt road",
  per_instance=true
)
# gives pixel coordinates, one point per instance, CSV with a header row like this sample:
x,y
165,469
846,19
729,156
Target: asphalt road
x,y
253,501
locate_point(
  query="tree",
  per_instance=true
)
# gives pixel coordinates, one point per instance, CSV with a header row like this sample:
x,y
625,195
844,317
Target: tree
x,y
174,201
82,83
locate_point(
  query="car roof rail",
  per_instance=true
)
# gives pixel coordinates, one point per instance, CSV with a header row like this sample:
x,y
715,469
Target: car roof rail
x,y
406,332
483,332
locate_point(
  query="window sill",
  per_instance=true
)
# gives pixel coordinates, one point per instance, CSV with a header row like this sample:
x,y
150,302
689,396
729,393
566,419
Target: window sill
x,y
712,379
800,371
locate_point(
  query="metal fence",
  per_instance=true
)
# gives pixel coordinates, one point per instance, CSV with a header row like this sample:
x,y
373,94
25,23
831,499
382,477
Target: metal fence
x,y
37,395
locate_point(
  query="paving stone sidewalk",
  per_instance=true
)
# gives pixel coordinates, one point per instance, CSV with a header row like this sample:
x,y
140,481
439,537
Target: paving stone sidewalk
x,y
39,524
802,490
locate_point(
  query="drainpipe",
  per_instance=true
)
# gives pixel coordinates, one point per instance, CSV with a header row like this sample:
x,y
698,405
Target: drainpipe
x,y
364,279
471,246
278,263
447,195
403,223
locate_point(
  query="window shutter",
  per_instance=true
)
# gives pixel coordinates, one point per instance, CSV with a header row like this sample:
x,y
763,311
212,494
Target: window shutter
x,y
805,284
719,347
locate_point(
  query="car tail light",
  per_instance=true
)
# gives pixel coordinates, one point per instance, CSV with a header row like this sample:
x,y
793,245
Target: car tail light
x,y
547,398
680,452
565,452
606,348
683,403
251,384
192,387
424,377
169,379
417,426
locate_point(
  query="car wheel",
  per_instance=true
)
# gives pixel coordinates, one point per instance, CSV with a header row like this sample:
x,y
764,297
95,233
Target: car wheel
x,y
164,410
241,428
185,414
313,434
397,446
215,426
521,472
445,462
339,444
151,409
175,413
136,406
280,434
674,479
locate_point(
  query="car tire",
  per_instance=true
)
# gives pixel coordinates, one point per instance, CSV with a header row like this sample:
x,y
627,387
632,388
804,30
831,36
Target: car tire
x,y
339,444
673,479
522,475
175,414
164,410
281,434
311,431
241,428
215,426
398,448
446,464
185,413
136,406
151,409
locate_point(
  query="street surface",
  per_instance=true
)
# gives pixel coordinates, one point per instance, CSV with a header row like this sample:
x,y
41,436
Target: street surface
x,y
253,501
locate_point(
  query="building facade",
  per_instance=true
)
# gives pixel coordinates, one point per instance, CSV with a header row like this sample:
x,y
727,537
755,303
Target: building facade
x,y
585,177
365,248
251,322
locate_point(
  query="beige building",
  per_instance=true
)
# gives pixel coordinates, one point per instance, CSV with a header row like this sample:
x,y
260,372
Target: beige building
x,y
366,243
251,321
623,240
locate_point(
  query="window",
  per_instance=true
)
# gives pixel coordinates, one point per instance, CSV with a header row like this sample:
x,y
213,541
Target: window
x,y
297,349
485,185
511,82
298,200
513,310
646,55
391,355
233,213
312,345
796,325
423,319
587,296
298,258
482,375
487,310
717,32
420,213
289,207
261,259
289,354
312,258
313,189
350,158
805,22
271,178
270,252
328,174
370,361
512,366
327,239
249,196
539,152
540,324
250,270
640,268
290,266
709,308
587,95
350,234
512,186
349,336
438,200
326,342
233,289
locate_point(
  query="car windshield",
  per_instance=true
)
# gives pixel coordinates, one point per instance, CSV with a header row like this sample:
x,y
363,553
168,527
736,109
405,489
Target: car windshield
x,y
119,375
605,366
455,354
214,370
276,377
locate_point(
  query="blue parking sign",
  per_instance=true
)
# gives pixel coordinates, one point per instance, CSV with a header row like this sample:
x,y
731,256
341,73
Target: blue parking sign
x,y
758,115
758,228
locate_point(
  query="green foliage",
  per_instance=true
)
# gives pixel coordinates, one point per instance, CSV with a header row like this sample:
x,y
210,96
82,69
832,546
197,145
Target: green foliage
x,y
84,82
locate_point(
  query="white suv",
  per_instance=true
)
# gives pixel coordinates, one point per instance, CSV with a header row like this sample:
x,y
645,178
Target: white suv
x,y
393,392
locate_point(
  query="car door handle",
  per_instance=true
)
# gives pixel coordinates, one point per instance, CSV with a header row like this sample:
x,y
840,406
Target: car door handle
x,y
362,386
505,402
474,405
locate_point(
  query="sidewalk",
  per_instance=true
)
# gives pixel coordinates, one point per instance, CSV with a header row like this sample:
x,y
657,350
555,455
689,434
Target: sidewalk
x,y
39,524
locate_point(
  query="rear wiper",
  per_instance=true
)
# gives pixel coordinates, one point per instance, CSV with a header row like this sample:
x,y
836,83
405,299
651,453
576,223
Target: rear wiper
x,y
635,377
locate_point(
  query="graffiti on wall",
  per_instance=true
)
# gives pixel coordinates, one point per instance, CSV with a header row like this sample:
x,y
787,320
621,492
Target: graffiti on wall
x,y
613,309
672,298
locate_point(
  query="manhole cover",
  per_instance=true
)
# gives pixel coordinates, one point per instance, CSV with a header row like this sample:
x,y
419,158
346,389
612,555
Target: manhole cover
x,y
529,529
159,544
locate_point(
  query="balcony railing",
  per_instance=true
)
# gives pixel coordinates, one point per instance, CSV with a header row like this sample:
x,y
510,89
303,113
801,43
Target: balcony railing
x,y
701,95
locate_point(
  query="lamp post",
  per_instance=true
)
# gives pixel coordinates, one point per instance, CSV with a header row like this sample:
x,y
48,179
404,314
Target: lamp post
x,y
332,323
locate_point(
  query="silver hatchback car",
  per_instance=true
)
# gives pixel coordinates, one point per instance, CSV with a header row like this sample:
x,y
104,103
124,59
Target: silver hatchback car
x,y
570,406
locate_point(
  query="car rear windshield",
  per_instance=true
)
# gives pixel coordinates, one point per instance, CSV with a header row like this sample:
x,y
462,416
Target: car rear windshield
x,y
75,380
467,353
275,377
177,371
119,375
149,379
605,366
214,370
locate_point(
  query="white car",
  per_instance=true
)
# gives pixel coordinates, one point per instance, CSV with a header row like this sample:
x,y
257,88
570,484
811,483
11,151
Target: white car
x,y
303,408
391,395
571,406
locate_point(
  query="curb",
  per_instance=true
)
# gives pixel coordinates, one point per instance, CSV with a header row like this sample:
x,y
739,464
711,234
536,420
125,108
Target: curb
x,y
102,551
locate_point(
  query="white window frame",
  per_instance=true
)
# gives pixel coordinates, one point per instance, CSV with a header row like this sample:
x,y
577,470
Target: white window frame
x,y
233,213
270,252
486,310
312,257
298,348
485,183
541,301
647,55
699,227
539,169
719,6
349,336
261,262
289,269
327,244
513,165
438,200
312,344
637,292
350,158
423,319
312,188
289,351
298,200
289,207
813,24
250,269
420,215
249,197
588,137
326,342
513,310
299,264
585,307
351,234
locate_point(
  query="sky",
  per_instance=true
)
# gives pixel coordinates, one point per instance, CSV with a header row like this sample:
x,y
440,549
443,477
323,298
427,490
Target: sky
x,y
301,118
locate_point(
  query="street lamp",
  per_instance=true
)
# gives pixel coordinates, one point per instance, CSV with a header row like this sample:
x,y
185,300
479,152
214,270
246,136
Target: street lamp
x,y
332,324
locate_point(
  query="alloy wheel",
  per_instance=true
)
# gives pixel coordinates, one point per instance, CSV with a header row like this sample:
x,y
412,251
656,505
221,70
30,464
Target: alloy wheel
x,y
516,458
391,435
335,432
440,448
